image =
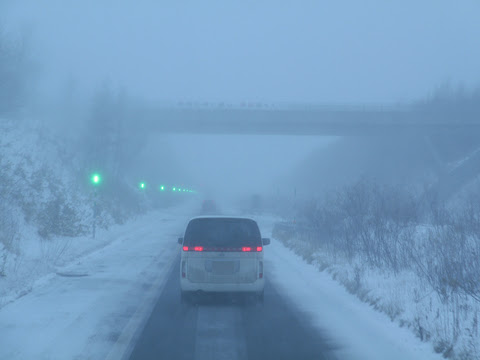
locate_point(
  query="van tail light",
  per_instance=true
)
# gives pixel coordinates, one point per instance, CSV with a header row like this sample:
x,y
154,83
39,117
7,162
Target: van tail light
x,y
183,269
248,249
260,269
193,248
221,249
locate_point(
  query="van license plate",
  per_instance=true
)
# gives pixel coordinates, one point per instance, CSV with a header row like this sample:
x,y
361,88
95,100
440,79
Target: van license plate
x,y
223,267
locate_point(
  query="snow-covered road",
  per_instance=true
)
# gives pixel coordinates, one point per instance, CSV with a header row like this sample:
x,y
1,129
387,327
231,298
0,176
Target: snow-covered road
x,y
100,304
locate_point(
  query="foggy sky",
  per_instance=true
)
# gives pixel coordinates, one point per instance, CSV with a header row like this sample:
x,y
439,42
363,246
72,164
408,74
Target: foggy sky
x,y
236,51
342,51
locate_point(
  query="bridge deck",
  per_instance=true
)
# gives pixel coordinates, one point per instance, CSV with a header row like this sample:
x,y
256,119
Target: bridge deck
x,y
331,122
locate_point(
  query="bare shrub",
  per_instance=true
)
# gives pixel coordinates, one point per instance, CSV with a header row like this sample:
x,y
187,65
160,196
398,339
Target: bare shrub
x,y
450,262
368,221
8,237
53,250
58,218
391,229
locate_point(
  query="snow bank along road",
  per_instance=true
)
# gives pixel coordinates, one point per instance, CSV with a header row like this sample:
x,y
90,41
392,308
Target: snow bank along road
x,y
127,306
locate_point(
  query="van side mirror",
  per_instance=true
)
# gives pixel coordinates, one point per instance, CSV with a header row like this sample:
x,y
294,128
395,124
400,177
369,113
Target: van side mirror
x,y
180,240
265,241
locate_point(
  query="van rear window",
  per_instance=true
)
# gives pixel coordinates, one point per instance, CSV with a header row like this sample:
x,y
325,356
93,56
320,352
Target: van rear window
x,y
222,233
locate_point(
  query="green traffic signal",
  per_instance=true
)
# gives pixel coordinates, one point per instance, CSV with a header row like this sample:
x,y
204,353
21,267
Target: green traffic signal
x,y
142,185
96,179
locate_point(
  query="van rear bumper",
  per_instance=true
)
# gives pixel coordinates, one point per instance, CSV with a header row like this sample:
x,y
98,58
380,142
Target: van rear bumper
x,y
256,286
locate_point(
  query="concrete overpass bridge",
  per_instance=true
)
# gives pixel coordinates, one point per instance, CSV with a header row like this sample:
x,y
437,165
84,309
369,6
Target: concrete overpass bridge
x,y
323,120
404,121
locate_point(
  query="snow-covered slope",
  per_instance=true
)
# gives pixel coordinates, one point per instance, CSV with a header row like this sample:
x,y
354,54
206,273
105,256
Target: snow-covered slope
x,y
83,309
46,211
42,206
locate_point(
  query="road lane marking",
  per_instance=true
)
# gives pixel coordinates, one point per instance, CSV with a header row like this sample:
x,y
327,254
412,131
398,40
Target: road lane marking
x,y
220,334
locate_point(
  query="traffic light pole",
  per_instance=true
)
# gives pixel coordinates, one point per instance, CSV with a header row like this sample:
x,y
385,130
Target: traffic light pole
x,y
94,211
95,179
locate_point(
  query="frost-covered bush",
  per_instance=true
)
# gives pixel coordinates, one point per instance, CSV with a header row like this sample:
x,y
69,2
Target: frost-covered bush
x,y
425,252
366,220
8,236
58,218
449,260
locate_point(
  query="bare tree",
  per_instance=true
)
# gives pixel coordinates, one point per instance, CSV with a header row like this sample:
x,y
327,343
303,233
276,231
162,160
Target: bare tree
x,y
15,70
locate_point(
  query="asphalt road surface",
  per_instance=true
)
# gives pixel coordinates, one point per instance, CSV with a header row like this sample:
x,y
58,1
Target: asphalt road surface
x,y
228,327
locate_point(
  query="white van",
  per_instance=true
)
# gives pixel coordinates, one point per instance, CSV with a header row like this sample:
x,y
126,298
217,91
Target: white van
x,y
222,254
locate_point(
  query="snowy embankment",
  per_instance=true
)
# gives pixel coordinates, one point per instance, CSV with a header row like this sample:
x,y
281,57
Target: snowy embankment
x,y
400,308
46,206
39,260
83,309
43,211
361,332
